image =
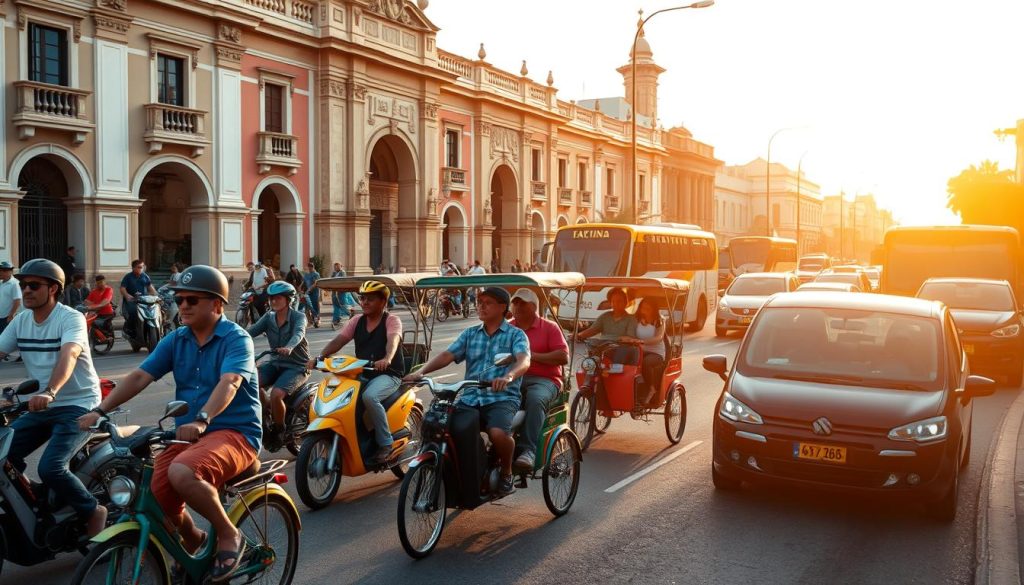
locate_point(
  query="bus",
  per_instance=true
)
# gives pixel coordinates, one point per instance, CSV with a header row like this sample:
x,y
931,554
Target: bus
x,y
762,254
911,255
600,249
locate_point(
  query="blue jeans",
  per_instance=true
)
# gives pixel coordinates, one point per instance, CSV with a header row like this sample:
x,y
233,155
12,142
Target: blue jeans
x,y
341,302
373,393
314,302
537,395
60,427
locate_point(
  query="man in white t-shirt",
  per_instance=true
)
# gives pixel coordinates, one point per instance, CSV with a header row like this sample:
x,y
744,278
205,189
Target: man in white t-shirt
x,y
10,295
260,276
54,345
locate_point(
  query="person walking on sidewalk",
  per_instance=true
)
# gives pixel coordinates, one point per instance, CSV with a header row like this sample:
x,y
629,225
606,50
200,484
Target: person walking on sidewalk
x,y
341,302
312,292
10,295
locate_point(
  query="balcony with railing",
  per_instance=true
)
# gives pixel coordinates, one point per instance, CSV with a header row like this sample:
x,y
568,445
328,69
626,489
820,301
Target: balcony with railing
x,y
277,149
586,199
612,203
538,190
43,105
167,124
454,179
564,196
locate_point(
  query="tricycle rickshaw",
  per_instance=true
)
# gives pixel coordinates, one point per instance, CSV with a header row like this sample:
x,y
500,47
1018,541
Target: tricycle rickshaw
x,y
456,467
339,440
610,377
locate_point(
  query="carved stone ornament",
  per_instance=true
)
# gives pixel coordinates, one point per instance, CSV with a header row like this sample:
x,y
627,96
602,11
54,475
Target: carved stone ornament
x,y
483,128
432,202
230,33
119,25
76,28
356,91
363,194
393,9
505,143
429,110
332,88
22,20
487,212
120,5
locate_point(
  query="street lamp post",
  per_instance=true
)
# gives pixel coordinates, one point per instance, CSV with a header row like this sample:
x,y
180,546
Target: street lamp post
x,y
799,243
632,103
768,180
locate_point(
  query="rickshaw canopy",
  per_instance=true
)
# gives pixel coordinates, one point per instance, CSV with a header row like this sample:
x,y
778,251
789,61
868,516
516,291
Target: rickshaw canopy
x,y
510,280
640,286
352,283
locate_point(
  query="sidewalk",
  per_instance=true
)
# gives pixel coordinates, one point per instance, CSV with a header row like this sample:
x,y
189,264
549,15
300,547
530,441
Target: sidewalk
x,y
1000,524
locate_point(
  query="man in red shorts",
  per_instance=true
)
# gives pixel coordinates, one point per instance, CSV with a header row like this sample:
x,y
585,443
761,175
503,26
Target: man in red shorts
x,y
214,371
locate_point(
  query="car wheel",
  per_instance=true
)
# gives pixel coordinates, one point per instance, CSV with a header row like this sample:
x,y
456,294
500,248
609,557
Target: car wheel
x,y
723,483
702,316
1016,375
720,332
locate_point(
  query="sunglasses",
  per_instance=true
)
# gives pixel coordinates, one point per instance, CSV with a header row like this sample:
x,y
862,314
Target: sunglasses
x,y
33,285
192,301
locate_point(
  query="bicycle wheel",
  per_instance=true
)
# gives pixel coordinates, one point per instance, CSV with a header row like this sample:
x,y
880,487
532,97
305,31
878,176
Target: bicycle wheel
x,y
272,537
675,415
242,317
602,418
561,476
413,423
316,484
113,561
100,347
442,313
420,521
582,417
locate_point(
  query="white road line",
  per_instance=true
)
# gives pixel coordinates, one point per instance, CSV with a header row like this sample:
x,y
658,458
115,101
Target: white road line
x,y
651,468
724,343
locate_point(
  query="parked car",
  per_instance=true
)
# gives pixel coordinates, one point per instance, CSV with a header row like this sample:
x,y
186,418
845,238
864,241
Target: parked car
x,y
857,278
745,295
855,392
811,264
829,286
989,321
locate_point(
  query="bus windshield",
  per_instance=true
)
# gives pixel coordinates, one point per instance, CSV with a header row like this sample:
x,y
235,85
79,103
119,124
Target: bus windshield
x,y
910,263
594,252
749,254
724,259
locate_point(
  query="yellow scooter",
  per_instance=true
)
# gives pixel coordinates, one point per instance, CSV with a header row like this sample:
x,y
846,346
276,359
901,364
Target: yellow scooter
x,y
339,439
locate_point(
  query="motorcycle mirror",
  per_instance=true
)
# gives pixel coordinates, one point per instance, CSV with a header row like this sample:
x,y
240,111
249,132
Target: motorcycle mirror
x,y
174,409
503,359
27,387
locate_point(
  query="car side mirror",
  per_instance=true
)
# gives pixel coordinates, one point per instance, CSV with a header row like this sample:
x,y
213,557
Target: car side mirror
x,y
717,364
978,386
503,359
27,387
721,293
174,409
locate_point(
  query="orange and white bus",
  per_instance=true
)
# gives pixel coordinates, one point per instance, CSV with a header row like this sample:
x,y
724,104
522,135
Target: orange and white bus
x,y
605,249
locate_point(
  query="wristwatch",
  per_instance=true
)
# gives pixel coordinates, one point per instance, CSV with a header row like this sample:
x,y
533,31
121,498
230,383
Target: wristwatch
x,y
203,417
99,411
50,392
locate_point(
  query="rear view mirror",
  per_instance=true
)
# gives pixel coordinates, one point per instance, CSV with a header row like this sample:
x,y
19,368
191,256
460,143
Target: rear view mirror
x,y
27,387
717,364
978,386
174,409
503,359
721,292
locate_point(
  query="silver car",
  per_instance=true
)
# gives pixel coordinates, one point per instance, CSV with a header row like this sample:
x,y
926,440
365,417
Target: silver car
x,y
745,295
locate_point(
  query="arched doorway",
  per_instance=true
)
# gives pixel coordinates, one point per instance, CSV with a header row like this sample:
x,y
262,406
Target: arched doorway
x,y
455,236
278,226
538,235
581,219
268,234
504,200
172,225
393,186
42,213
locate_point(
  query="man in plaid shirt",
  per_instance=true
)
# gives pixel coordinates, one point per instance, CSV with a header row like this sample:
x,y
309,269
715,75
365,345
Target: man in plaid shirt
x,y
477,346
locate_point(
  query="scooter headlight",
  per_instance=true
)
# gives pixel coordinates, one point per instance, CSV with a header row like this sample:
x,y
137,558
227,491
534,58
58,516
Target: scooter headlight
x,y
121,491
335,403
588,365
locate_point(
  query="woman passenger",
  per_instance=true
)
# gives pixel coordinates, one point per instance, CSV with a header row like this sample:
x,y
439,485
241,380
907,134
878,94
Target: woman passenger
x,y
650,334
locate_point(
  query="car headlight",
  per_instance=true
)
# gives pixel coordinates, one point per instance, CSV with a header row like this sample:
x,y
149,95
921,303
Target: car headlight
x,y
735,410
589,365
326,407
922,431
1008,331
121,491
723,306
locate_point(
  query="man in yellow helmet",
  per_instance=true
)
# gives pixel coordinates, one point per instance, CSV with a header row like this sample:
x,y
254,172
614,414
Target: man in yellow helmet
x,y
378,336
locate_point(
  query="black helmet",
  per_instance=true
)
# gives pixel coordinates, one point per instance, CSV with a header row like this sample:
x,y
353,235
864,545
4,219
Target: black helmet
x,y
202,278
42,268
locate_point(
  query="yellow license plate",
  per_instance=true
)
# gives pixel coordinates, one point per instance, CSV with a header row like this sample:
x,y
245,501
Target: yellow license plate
x,y
745,320
969,348
826,453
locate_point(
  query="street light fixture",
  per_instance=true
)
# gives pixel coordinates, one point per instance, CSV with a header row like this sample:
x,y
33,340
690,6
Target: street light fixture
x,y
799,204
632,103
768,182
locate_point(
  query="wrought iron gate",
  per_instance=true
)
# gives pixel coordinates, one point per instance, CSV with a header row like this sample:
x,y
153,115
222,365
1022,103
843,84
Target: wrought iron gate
x,y
42,221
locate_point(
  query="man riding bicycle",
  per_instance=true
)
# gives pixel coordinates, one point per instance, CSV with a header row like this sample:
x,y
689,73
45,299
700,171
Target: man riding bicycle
x,y
286,371
214,371
378,336
478,346
54,345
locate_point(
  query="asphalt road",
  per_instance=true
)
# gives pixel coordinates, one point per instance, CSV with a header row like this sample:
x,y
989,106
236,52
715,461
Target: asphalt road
x,y
667,526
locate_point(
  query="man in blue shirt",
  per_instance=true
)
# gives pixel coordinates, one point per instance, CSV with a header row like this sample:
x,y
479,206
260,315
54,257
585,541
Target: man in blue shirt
x,y
478,346
312,292
134,284
214,371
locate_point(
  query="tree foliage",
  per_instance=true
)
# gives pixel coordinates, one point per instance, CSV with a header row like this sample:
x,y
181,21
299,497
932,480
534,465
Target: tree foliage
x,y
984,194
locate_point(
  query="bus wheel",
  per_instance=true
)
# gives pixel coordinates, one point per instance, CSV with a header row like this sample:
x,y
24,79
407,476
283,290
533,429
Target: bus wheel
x,y
702,316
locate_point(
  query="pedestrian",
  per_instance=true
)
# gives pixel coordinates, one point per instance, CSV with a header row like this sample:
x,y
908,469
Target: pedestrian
x,y
312,292
269,266
340,302
10,295
68,262
294,277
494,266
175,274
517,266
76,293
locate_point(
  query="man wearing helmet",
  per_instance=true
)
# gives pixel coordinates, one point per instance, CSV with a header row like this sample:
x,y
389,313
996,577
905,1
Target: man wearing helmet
x,y
54,345
378,336
214,372
286,331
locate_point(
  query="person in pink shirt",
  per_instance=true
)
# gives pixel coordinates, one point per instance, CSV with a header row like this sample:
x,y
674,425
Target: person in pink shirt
x,y
548,353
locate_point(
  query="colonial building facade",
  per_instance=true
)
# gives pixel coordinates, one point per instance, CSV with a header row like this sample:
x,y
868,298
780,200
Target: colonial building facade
x,y
220,132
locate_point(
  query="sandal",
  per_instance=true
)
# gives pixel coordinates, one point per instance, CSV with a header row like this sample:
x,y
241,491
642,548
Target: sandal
x,y
221,571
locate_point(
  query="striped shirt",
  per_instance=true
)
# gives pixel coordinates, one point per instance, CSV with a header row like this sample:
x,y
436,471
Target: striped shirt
x,y
478,349
40,345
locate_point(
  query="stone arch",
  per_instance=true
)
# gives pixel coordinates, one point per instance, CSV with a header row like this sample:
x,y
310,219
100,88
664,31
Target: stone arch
x,y
176,223
277,223
505,218
394,185
562,220
77,175
581,219
455,234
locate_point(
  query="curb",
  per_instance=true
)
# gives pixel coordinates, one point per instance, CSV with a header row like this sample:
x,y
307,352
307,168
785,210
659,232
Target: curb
x,y
997,548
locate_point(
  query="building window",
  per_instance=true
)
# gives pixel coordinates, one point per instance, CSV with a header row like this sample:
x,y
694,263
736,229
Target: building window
x,y
538,160
642,190
776,211
581,179
273,108
609,178
563,171
170,75
451,149
47,54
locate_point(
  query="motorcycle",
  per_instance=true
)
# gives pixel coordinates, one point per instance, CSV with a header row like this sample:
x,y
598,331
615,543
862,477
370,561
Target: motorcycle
x,y
35,526
169,309
148,322
246,314
296,416
101,331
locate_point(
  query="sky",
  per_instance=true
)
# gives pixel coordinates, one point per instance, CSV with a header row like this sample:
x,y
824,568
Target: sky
x,y
886,97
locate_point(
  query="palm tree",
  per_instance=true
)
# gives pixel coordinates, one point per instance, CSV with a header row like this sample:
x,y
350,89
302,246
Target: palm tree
x,y
987,195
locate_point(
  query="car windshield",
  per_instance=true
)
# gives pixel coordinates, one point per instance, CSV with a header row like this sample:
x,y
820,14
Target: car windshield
x,y
847,277
976,296
844,346
812,264
761,286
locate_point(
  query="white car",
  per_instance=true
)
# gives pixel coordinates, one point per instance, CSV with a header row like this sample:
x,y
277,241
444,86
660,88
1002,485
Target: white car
x,y
745,295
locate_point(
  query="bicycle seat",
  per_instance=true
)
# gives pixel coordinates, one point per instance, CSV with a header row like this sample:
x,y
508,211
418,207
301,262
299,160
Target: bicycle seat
x,y
245,475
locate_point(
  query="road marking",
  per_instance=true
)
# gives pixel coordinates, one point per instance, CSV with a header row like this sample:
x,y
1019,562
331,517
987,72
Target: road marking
x,y
651,468
724,343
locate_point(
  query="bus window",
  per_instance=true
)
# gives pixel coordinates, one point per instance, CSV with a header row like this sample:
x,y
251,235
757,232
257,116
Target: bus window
x,y
592,251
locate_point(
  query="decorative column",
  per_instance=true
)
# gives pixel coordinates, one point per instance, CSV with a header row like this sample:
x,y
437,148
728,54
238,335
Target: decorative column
x,y
483,214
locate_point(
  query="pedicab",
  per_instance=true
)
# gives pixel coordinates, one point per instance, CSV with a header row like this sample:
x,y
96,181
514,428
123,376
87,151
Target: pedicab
x,y
339,440
610,377
456,467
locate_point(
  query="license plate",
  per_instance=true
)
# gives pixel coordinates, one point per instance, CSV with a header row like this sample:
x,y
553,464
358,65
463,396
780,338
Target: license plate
x,y
826,453
745,320
969,348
